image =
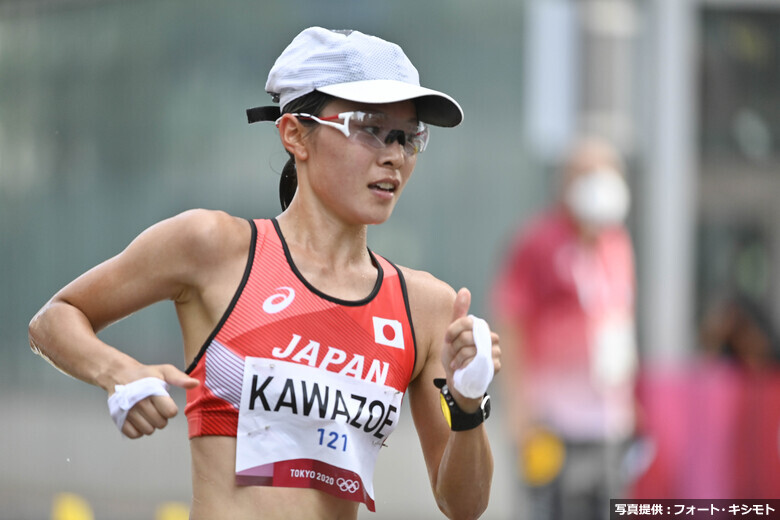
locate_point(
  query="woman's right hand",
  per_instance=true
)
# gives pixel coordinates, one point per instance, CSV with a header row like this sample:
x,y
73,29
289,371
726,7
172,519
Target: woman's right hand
x,y
152,413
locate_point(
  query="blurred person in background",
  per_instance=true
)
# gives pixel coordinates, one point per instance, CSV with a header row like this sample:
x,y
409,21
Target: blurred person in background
x,y
300,342
738,330
564,304
718,411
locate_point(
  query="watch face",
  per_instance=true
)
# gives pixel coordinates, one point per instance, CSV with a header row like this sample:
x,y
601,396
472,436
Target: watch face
x,y
486,406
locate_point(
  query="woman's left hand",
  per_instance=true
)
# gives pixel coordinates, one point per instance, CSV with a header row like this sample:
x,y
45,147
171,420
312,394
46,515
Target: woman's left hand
x,y
459,347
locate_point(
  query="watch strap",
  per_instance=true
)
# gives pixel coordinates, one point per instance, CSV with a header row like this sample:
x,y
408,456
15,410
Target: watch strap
x,y
457,419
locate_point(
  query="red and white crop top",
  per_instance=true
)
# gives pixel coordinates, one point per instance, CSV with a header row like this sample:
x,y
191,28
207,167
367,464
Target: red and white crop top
x,y
310,385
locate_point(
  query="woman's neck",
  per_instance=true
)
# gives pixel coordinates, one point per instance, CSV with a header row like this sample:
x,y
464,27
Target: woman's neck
x,y
331,256
324,238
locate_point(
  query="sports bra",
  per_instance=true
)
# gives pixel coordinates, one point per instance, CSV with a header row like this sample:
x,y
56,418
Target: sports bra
x,y
310,385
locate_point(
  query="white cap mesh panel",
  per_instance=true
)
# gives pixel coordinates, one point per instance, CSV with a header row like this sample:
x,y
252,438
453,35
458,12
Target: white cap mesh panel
x,y
319,58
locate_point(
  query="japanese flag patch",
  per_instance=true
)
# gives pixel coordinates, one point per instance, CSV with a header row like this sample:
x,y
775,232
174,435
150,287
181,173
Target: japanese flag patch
x,y
389,333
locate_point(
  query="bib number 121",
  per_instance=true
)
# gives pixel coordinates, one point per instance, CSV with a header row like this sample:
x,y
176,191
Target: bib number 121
x,y
332,440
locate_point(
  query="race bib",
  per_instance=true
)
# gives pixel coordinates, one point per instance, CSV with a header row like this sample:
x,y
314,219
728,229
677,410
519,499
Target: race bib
x,y
300,426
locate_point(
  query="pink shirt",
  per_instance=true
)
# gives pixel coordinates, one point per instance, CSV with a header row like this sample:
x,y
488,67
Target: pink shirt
x,y
575,304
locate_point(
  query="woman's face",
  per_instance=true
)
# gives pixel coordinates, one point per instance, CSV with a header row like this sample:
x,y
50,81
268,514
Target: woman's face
x,y
358,183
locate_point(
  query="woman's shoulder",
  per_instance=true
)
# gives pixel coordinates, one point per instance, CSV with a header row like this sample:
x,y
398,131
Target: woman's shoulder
x,y
426,282
204,233
207,220
429,297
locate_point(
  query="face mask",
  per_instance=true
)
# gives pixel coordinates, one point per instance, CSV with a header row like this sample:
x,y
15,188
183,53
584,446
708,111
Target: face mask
x,y
598,198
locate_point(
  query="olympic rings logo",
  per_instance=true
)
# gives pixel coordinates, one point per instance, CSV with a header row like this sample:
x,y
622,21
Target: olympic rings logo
x,y
349,486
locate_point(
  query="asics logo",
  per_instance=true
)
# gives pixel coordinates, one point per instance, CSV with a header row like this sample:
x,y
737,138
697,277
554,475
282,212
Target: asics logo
x,y
279,301
348,486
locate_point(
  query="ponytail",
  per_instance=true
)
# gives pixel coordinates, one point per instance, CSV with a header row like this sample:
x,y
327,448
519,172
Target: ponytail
x,y
288,183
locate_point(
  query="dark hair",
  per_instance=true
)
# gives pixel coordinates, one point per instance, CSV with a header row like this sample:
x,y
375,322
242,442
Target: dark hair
x,y
312,103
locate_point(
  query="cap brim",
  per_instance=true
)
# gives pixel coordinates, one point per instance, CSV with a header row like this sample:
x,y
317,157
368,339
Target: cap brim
x,y
433,107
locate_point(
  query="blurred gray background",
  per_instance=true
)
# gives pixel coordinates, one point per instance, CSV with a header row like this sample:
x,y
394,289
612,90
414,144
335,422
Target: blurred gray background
x,y
116,114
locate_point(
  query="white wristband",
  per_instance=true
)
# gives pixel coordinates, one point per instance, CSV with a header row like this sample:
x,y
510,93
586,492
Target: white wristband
x,y
472,380
127,396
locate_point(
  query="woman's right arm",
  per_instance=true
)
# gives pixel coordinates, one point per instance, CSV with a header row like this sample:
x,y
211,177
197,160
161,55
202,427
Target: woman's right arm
x,y
169,261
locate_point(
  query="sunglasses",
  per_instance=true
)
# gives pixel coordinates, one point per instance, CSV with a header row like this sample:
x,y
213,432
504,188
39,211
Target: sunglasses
x,y
375,129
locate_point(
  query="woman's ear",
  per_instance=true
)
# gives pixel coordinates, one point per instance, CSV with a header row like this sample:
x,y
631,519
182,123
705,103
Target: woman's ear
x,y
292,133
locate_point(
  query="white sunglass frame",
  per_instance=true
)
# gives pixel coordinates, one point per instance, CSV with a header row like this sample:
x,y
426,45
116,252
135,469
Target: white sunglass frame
x,y
358,116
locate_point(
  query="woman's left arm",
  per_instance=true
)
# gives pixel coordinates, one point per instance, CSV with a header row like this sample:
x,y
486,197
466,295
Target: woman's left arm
x,y
460,463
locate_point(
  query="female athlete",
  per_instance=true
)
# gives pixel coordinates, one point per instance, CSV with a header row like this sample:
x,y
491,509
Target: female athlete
x,y
300,341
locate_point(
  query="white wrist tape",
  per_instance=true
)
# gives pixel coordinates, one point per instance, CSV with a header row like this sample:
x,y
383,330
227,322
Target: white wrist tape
x,y
472,380
127,396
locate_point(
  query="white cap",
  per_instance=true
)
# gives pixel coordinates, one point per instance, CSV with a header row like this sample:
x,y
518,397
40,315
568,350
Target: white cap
x,y
357,67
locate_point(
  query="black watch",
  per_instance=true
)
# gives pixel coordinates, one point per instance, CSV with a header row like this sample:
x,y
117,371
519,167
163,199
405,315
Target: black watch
x,y
457,419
